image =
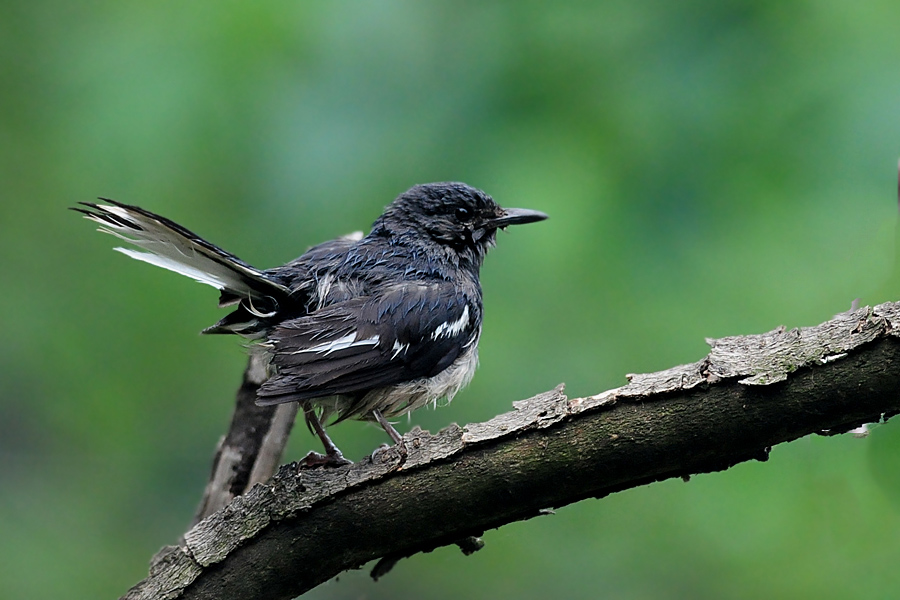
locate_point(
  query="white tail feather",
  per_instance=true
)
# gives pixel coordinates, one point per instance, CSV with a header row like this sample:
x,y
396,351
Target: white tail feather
x,y
177,267
174,248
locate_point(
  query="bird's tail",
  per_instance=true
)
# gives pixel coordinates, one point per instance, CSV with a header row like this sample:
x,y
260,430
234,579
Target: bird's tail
x,y
170,246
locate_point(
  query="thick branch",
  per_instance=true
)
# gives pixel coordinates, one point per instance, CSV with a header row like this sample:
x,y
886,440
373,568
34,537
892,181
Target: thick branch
x,y
306,526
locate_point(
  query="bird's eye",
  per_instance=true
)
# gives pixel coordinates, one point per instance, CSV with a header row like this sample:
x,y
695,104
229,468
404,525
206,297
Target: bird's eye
x,y
462,213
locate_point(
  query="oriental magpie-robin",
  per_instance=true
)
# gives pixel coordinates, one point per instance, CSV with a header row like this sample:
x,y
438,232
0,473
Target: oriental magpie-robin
x,y
359,327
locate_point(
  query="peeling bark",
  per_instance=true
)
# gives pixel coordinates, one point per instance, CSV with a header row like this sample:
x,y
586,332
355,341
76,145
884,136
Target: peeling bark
x,y
304,526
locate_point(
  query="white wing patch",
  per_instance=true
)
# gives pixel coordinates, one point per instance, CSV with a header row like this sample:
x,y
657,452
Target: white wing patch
x,y
452,328
348,341
398,348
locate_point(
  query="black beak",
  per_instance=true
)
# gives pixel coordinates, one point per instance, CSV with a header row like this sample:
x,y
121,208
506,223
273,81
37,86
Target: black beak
x,y
517,216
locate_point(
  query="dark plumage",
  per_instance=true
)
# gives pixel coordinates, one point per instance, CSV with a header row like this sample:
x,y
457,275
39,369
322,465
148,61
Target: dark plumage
x,y
359,327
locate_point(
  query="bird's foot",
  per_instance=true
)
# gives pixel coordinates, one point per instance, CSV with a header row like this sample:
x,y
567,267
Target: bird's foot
x,y
400,447
314,459
399,443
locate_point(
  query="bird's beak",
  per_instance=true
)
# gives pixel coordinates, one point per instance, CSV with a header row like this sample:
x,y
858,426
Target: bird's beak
x,y
517,216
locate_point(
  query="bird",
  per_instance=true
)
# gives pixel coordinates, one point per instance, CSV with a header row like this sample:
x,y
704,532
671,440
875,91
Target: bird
x,y
366,327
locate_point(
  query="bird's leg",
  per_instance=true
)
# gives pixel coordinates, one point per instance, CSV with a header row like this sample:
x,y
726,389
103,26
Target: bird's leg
x,y
389,429
332,456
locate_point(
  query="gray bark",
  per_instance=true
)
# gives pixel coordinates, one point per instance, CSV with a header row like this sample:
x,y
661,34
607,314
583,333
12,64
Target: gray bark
x,y
304,526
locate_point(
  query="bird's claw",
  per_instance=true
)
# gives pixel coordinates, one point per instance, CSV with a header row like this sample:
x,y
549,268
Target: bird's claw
x,y
400,447
314,459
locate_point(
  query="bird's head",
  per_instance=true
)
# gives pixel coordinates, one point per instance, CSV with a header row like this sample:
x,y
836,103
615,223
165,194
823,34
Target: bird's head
x,y
454,215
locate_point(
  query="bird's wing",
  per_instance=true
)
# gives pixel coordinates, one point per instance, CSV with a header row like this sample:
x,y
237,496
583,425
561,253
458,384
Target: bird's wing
x,y
411,331
171,246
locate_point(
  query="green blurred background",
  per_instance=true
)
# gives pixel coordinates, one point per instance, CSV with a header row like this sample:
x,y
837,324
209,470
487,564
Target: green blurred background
x,y
710,167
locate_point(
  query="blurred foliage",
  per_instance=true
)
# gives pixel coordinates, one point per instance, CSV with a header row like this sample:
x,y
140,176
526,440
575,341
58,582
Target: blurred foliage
x,y
710,167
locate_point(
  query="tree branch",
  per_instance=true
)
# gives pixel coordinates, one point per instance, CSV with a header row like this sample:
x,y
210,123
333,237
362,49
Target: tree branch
x,y
308,525
249,453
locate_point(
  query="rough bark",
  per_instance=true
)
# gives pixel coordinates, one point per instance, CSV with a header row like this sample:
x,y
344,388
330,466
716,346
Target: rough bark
x,y
305,526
